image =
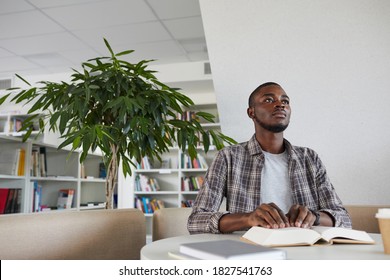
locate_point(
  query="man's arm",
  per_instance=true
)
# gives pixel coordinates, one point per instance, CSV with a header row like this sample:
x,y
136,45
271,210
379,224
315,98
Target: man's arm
x,y
330,204
205,214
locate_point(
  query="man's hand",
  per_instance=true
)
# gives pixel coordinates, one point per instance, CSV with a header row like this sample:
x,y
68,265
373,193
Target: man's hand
x,y
268,215
300,216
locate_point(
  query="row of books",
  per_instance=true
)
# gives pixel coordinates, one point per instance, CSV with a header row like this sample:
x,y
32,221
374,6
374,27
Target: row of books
x,y
10,200
148,205
144,164
191,183
199,162
143,183
64,200
187,116
38,162
19,162
15,124
196,163
187,203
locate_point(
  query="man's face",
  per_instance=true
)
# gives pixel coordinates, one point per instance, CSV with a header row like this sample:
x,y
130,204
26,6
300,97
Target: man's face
x,y
271,109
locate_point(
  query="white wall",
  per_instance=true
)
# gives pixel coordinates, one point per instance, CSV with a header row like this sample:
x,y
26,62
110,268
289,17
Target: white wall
x,y
333,59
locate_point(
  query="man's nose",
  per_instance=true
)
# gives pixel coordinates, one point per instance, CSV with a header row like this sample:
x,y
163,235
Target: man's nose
x,y
279,104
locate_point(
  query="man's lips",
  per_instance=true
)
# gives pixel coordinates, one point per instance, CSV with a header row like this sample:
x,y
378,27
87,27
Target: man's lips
x,y
279,113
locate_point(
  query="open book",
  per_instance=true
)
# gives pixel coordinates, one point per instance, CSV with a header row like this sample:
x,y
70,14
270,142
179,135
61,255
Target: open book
x,y
293,236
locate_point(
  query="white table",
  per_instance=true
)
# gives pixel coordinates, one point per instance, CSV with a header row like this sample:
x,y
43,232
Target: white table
x,y
159,250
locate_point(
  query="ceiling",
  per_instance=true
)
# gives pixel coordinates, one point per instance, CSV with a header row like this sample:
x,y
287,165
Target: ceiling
x,y
52,36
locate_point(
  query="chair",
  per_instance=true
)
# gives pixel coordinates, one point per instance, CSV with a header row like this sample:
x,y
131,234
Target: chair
x,y
169,222
363,217
76,235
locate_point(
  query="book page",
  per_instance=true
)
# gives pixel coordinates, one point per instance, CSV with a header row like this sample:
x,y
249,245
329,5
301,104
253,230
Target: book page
x,y
343,235
291,236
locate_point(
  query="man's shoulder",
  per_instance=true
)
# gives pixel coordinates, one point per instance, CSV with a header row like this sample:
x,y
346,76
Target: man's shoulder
x,y
301,150
239,147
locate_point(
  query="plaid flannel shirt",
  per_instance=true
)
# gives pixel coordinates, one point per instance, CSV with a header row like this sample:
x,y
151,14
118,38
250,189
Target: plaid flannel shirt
x,y
236,174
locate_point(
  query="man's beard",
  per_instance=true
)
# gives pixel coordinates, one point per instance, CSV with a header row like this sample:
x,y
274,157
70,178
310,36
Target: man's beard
x,y
276,128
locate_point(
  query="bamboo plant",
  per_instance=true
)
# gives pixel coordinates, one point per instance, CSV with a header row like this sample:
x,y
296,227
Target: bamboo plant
x,y
118,107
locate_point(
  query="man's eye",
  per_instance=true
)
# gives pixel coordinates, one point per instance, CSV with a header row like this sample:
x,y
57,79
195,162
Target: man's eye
x,y
268,100
286,102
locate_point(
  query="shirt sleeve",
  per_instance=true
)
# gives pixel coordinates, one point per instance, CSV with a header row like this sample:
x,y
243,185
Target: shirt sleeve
x,y
205,214
329,201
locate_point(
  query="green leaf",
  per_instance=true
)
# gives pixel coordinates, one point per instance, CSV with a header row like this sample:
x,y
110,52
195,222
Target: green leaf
x,y
3,98
20,77
109,47
124,53
207,116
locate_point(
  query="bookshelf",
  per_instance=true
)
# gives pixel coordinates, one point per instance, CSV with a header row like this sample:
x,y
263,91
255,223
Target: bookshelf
x,y
10,124
171,191
170,174
45,171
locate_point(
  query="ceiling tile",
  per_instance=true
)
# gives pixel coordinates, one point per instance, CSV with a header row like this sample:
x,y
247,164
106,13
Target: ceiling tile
x,y
42,44
4,53
47,59
79,56
157,50
101,14
26,24
13,64
11,6
185,28
197,56
169,9
125,34
59,3
194,44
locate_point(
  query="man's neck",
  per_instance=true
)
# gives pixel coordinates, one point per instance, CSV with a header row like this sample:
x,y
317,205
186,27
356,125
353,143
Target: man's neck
x,y
271,142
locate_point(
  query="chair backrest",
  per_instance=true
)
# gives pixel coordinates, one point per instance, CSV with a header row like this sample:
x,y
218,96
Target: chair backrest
x,y
79,235
169,222
363,217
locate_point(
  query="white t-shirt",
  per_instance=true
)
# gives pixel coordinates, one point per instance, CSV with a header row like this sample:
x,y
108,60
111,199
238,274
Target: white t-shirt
x,y
275,184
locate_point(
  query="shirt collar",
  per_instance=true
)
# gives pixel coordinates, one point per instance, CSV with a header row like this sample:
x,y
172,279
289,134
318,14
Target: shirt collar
x,y
254,147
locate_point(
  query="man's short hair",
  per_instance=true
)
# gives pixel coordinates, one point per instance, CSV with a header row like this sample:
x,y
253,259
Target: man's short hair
x,y
252,96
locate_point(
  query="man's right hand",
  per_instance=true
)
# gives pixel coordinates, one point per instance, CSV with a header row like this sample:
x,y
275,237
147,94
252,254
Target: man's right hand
x,y
268,215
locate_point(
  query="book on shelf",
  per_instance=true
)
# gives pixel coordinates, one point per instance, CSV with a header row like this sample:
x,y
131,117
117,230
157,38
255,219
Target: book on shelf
x,y
187,115
144,164
19,164
148,205
10,200
199,162
38,162
294,236
16,124
187,203
65,198
191,183
230,250
145,184
42,161
37,197
102,170
3,199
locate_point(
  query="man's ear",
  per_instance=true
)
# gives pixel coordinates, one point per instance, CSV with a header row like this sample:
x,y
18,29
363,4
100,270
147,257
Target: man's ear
x,y
251,113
